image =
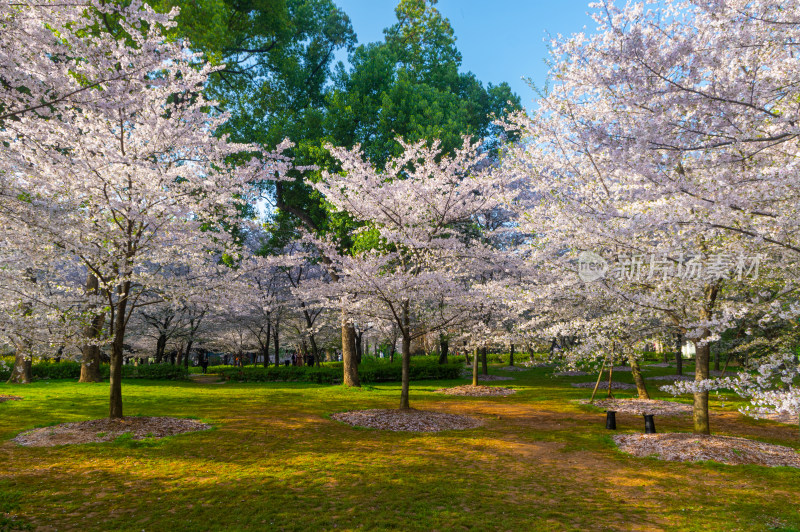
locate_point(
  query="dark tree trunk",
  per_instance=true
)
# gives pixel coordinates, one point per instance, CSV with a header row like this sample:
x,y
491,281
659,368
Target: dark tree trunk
x,y
406,373
716,359
391,352
444,347
484,361
314,349
115,392
406,370
349,362
276,344
161,344
188,354
359,351
21,373
265,347
679,355
641,388
90,354
511,356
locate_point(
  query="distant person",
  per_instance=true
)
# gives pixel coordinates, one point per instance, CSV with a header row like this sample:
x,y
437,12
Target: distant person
x,y
204,362
294,359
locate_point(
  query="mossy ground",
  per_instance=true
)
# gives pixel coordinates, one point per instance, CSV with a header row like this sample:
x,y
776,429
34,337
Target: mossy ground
x,y
276,461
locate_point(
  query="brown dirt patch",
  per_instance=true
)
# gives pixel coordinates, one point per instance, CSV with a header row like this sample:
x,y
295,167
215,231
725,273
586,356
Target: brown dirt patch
x,y
643,406
493,378
407,420
477,391
103,430
513,368
604,385
573,373
683,447
782,417
4,398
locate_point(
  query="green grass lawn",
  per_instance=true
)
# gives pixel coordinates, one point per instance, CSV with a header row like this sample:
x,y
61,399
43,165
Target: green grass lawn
x,y
276,461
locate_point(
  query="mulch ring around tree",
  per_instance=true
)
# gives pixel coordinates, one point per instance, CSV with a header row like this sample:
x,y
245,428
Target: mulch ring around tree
x,y
513,368
4,398
571,373
476,391
410,420
642,406
104,430
670,378
604,385
684,447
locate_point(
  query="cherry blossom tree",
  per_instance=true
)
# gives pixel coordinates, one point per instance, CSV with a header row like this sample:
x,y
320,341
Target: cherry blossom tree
x,y
666,135
130,180
417,254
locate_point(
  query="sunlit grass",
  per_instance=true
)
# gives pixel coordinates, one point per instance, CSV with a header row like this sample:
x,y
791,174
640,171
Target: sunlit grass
x,y
275,460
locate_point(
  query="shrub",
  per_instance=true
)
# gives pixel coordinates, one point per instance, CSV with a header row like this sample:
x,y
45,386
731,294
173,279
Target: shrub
x,y
68,369
369,372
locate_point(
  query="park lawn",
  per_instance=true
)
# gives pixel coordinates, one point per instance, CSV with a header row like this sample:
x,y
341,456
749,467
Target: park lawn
x,y
276,461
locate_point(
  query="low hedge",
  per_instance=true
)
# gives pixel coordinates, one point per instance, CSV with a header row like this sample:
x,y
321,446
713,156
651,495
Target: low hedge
x,y
368,373
72,370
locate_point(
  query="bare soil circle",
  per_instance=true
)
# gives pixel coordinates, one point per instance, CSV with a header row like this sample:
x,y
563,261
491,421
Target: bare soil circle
x,y
604,385
410,420
685,447
4,398
643,406
477,391
104,430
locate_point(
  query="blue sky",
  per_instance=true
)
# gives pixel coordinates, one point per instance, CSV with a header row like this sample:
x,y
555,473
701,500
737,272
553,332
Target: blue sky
x,y
500,41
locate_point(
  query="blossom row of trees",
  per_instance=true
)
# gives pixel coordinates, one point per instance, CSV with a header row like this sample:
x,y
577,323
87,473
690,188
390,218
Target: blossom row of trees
x,y
662,153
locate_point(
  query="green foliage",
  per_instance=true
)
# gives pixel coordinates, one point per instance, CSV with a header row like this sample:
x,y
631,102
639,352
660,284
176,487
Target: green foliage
x,y
47,369
332,374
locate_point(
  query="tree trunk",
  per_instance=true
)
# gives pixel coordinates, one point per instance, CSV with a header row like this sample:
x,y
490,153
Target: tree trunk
x,y
610,395
679,355
700,410
444,347
637,377
359,351
161,344
349,362
484,361
188,354
475,368
265,347
511,356
90,354
115,392
406,371
314,349
276,344
21,373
